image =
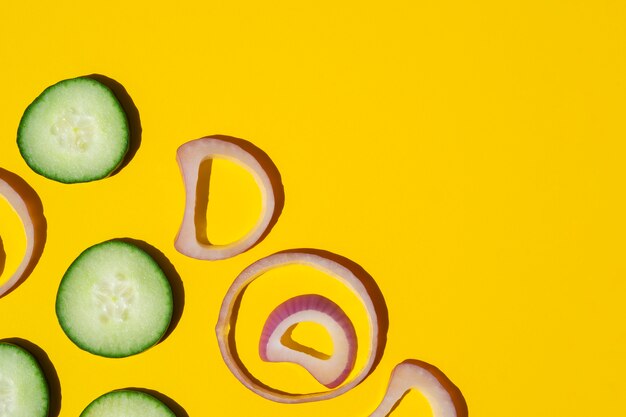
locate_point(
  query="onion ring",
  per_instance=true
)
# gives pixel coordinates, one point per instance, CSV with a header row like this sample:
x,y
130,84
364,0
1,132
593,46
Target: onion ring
x,y
226,325
26,204
189,157
444,397
276,344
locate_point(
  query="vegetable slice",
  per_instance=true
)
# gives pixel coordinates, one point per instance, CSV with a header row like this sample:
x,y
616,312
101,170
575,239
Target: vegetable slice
x,y
16,195
23,385
326,262
330,371
125,403
114,300
75,131
444,397
189,156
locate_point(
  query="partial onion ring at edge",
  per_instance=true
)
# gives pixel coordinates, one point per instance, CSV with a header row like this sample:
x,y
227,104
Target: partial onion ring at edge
x,y
444,397
333,265
27,205
190,156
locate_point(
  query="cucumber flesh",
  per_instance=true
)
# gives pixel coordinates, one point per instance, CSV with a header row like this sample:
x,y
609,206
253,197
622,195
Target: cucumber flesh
x,y
23,386
75,131
114,300
127,403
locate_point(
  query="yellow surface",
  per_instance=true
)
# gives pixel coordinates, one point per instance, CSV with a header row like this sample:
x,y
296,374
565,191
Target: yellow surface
x,y
468,154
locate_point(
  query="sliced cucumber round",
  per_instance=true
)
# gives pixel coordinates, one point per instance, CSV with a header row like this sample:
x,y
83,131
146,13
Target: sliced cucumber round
x,y
126,403
23,386
75,131
114,300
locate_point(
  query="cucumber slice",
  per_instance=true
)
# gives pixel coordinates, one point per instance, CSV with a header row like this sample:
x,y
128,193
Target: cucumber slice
x,y
114,300
75,131
126,403
23,386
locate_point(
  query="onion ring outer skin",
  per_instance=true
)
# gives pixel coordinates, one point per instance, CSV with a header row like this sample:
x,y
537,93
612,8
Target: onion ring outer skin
x,y
444,397
20,206
189,157
224,332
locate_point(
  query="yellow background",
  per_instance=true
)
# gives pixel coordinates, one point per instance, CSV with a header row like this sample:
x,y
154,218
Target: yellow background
x,y
468,154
